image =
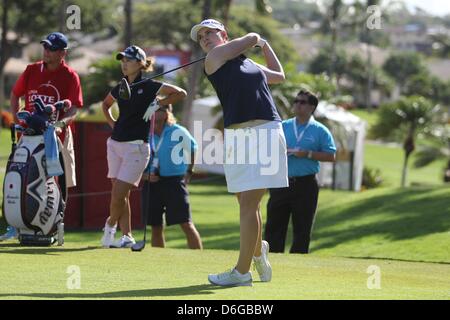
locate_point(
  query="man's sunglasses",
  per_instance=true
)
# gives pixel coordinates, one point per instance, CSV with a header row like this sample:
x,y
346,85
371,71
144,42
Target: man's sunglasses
x,y
300,101
50,48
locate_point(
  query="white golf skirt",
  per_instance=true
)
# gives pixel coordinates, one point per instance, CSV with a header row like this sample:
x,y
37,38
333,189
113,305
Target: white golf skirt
x,y
255,157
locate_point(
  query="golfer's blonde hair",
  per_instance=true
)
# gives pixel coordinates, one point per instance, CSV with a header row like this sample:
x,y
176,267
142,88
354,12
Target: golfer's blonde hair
x,y
147,66
171,120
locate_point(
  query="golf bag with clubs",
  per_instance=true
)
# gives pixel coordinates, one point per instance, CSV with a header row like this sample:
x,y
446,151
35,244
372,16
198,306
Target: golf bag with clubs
x,y
32,200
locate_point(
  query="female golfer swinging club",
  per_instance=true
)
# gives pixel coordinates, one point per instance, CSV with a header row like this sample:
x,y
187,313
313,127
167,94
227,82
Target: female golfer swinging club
x,y
128,150
242,88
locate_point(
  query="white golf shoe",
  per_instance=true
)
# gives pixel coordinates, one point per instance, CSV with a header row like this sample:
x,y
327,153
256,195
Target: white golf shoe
x,y
262,264
231,278
124,242
108,235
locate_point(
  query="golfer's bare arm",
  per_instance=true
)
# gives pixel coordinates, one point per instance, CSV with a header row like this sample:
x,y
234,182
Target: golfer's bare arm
x,y
273,69
230,50
171,94
14,106
106,107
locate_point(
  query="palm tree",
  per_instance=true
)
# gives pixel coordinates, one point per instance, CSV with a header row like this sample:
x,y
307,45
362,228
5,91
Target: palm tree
x,y
333,13
437,146
194,73
128,8
405,118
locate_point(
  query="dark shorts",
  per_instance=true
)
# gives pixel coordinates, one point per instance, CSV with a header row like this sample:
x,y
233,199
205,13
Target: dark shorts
x,y
169,196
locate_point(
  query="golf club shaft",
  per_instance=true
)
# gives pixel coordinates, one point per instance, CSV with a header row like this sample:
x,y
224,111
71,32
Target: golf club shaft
x,y
152,132
168,71
13,136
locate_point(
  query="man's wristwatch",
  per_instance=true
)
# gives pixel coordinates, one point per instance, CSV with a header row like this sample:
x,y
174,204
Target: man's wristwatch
x,y
309,154
190,171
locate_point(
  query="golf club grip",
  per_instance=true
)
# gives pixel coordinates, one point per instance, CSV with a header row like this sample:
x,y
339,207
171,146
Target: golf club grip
x,y
168,71
13,132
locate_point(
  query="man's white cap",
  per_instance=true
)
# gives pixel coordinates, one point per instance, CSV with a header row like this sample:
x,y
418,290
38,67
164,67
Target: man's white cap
x,y
208,23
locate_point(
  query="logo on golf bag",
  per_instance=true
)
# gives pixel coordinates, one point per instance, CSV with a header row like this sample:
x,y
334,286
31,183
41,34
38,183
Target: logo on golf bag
x,y
33,201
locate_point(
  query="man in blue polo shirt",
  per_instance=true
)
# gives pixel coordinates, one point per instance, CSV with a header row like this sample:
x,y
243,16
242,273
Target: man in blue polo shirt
x,y
165,182
309,143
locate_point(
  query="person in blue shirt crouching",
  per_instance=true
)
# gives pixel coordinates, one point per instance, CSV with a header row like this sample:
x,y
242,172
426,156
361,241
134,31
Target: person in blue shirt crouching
x,y
308,143
165,180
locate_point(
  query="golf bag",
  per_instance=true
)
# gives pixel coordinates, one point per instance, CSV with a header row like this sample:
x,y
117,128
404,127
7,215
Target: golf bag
x,y
32,201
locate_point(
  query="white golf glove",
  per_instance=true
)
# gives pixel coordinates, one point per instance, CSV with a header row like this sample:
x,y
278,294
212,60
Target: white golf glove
x,y
261,43
152,107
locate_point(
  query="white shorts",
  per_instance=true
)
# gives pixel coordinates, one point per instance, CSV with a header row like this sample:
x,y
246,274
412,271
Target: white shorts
x,y
127,161
255,157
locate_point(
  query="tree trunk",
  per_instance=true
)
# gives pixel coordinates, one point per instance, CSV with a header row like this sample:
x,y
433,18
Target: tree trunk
x,y
194,74
128,23
405,170
226,12
62,16
193,80
333,49
408,147
4,49
334,25
369,78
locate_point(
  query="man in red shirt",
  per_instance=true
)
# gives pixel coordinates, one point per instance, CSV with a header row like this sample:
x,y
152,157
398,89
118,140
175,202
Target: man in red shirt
x,y
52,80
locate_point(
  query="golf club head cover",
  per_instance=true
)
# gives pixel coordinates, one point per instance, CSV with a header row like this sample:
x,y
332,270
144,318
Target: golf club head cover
x,y
39,106
64,105
50,109
38,120
151,109
23,115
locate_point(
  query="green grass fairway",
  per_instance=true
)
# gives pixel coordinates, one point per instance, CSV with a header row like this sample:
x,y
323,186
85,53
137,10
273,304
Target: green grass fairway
x,y
404,232
408,224
28,273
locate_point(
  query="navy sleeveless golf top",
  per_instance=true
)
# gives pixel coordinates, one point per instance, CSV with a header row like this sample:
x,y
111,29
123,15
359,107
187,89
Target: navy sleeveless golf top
x,y
242,89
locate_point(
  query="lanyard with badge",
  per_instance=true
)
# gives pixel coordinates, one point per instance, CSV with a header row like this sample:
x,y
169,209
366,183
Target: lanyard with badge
x,y
154,166
299,136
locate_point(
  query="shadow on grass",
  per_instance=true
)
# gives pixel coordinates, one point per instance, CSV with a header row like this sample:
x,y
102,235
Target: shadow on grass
x,y
18,249
209,193
411,218
205,289
400,260
223,236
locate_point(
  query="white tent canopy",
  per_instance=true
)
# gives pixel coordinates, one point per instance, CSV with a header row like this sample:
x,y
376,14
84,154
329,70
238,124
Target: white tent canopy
x,y
349,132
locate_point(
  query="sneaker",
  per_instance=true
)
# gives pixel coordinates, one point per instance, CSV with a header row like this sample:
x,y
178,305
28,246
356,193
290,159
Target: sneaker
x,y
231,278
11,233
262,264
124,242
108,235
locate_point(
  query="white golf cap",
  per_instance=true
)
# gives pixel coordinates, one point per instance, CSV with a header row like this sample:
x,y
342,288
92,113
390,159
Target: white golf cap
x,y
208,23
